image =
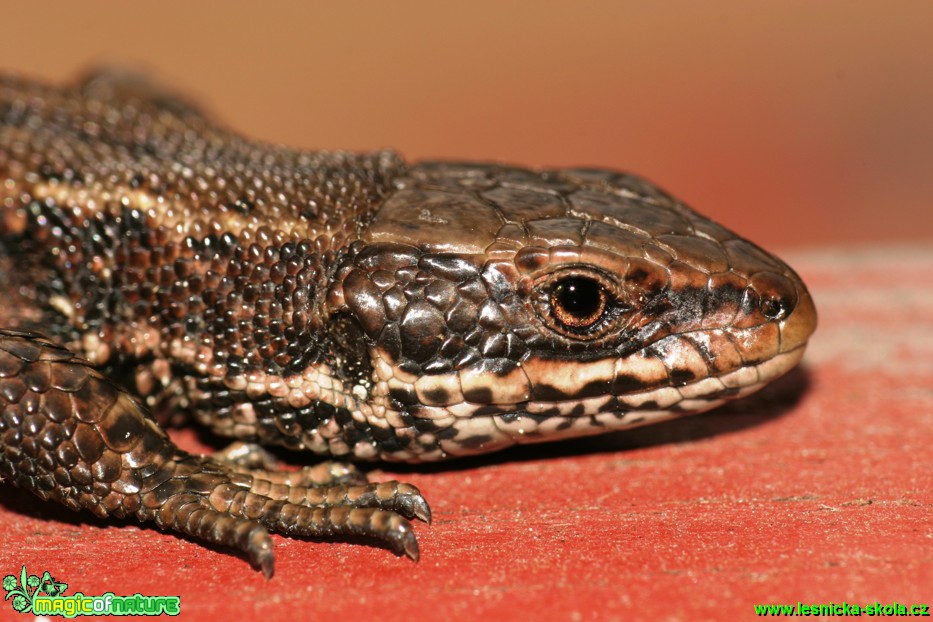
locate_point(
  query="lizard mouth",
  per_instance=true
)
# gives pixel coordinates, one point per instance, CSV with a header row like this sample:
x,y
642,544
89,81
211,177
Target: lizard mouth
x,y
463,428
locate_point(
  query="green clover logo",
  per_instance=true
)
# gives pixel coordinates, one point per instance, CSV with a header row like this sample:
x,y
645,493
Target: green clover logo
x,y
24,590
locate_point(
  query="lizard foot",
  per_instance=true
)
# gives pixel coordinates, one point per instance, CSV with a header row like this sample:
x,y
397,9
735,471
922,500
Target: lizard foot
x,y
204,498
69,434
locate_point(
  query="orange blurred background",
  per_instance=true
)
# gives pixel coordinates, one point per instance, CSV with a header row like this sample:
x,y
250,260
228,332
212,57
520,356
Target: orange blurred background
x,y
795,123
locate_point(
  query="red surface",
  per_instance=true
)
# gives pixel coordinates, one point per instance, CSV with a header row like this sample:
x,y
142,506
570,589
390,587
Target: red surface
x,y
818,489
791,122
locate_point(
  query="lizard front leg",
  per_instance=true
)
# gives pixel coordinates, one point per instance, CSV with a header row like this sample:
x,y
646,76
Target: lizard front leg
x,y
70,435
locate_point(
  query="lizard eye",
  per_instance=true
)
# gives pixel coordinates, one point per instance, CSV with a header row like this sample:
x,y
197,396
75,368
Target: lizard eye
x,y
578,302
581,303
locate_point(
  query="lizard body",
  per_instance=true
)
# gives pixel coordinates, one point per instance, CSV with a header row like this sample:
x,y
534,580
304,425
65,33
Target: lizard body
x,y
353,305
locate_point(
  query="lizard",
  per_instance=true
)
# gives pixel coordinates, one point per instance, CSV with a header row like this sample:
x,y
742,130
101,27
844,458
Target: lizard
x,y
158,268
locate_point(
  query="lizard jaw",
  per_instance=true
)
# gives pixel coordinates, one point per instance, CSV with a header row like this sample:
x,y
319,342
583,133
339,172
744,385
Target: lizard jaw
x,y
464,428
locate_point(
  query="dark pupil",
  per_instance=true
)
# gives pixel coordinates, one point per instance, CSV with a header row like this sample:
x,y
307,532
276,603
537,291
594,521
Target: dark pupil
x,y
579,297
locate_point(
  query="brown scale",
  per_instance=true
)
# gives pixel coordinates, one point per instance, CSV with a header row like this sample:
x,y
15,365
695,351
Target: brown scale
x,y
347,304
133,278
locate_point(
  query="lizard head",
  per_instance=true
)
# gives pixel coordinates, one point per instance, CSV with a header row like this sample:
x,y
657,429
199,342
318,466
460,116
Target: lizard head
x,y
500,306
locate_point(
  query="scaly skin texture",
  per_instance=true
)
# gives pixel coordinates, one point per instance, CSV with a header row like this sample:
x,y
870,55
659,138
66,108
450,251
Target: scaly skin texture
x,y
352,305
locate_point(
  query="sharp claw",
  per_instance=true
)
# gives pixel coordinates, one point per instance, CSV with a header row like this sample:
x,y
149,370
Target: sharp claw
x,y
410,546
402,539
268,567
412,503
260,552
421,510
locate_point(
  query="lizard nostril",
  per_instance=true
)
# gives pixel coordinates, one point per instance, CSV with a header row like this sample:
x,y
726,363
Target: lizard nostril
x,y
774,308
777,295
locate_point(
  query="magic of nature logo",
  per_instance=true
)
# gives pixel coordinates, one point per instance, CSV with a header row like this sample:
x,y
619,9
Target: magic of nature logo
x,y
44,596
